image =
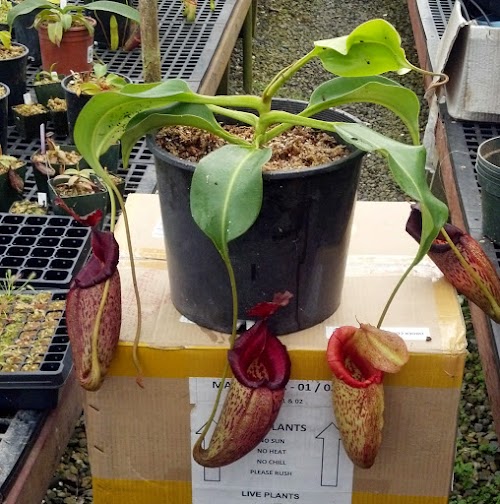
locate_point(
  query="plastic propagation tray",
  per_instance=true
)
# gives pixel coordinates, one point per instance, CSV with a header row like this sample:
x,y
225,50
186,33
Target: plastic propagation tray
x,y
31,377
52,248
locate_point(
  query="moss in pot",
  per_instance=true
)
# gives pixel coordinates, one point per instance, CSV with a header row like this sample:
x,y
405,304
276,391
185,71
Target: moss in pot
x,y
226,196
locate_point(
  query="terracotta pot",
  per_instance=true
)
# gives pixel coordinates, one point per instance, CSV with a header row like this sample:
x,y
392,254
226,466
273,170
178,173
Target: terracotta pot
x,y
75,53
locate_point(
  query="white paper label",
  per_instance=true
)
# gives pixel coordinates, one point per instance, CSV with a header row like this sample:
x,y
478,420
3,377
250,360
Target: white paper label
x,y
301,460
42,199
28,99
407,333
90,54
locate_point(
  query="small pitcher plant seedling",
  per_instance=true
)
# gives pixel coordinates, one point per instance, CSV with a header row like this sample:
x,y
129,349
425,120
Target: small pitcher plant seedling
x,y
226,198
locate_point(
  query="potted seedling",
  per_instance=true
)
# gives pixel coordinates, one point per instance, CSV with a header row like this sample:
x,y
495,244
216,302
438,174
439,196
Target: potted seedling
x,y
58,109
66,33
53,160
12,172
47,84
79,87
81,191
28,117
227,195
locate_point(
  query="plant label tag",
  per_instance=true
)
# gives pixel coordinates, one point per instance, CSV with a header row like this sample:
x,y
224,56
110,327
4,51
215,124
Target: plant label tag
x,y
90,54
42,199
407,333
63,3
28,99
301,460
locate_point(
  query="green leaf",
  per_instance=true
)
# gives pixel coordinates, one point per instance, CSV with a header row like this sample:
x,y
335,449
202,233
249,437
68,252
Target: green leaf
x,y
226,192
380,90
113,33
184,114
67,21
372,48
115,8
407,165
110,112
55,32
25,7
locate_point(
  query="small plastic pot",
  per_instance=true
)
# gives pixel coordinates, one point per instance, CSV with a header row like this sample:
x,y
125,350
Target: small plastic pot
x,y
28,126
46,91
41,179
488,174
77,102
81,205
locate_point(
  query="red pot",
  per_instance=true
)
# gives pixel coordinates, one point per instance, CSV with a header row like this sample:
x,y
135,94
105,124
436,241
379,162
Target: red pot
x,y
75,53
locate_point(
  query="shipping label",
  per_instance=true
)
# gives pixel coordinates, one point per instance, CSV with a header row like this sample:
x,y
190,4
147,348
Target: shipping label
x,y
301,460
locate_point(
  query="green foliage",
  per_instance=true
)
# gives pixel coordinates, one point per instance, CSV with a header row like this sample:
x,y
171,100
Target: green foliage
x,y
8,287
60,19
5,38
97,81
138,108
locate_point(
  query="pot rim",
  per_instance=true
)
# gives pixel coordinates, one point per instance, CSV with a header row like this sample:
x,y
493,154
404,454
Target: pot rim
x,y
23,55
93,22
7,91
67,79
354,155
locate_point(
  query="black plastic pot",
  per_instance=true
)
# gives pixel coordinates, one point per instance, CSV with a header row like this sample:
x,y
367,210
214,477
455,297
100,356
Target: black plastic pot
x,y
298,243
76,102
42,180
46,91
81,205
4,117
59,121
13,73
26,34
28,126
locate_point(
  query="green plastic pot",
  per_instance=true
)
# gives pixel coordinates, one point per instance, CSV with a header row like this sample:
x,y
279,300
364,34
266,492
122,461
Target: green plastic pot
x,y
81,205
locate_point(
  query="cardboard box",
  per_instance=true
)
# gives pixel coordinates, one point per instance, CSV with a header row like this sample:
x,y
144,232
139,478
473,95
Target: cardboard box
x,y
468,53
140,440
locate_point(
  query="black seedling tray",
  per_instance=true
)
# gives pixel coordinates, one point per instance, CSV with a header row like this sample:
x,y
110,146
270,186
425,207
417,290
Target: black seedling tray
x,y
52,248
36,375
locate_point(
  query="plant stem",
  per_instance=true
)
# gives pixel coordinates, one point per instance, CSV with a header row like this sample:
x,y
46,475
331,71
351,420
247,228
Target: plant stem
x,y
394,292
284,75
234,325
